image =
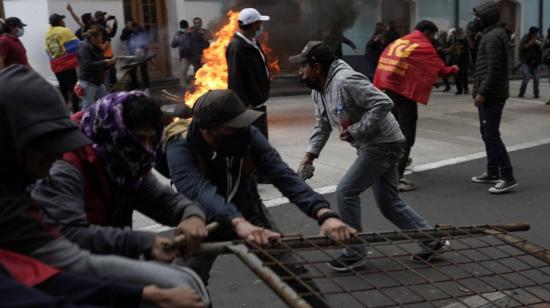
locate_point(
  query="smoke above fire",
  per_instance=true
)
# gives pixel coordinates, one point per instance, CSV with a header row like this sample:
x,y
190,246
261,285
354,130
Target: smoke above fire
x,y
295,22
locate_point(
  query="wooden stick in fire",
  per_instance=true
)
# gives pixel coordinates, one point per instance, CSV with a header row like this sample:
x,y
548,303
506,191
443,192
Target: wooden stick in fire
x,y
179,240
171,96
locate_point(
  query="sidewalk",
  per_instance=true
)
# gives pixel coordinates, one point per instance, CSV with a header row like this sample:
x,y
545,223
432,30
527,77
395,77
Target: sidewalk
x,y
448,132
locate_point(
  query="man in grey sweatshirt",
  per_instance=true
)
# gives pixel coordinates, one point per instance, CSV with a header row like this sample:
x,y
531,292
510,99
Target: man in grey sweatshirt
x,y
347,100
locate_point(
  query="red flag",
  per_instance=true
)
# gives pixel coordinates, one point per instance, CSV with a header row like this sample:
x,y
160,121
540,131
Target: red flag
x,y
410,66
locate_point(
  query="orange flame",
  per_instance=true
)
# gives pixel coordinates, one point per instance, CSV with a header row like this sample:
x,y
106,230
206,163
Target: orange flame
x,y
272,64
213,74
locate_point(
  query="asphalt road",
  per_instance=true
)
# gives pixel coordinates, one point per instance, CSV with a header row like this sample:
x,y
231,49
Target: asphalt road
x,y
446,196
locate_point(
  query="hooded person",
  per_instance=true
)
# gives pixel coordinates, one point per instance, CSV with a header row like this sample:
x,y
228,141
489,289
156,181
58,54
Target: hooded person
x,y
491,90
97,187
34,134
347,101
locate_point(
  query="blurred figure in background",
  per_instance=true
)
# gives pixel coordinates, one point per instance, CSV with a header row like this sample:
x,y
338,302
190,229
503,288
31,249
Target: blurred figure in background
x,y
93,66
442,46
460,57
374,48
62,46
200,39
137,41
12,50
530,55
183,41
546,55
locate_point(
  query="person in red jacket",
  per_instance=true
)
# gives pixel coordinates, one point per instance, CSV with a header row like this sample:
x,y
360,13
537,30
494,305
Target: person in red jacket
x,y
407,71
98,187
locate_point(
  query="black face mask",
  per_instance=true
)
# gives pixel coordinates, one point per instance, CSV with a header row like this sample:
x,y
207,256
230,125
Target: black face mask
x,y
234,145
312,84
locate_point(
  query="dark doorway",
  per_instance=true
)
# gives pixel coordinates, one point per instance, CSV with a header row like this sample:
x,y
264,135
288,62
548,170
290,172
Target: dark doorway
x,y
151,14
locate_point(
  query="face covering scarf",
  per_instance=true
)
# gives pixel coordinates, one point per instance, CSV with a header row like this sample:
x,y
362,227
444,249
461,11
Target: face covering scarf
x,y
125,159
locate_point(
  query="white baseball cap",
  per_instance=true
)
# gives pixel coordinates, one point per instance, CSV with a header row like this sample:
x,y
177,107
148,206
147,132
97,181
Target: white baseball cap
x,y
249,15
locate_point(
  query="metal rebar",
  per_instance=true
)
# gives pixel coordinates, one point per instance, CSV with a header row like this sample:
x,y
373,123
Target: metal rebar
x,y
432,234
283,290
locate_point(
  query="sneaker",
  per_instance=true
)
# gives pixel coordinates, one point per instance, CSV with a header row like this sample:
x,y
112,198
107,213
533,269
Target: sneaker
x,y
430,252
406,185
447,89
485,178
521,95
458,93
537,96
503,186
346,263
548,103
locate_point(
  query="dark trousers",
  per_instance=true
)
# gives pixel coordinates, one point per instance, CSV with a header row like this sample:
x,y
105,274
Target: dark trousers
x,y
498,161
144,76
69,290
260,217
529,70
446,82
461,78
406,113
93,291
110,77
261,122
67,79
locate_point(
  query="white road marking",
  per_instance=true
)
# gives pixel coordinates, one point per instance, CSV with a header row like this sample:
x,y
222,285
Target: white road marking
x,y
430,166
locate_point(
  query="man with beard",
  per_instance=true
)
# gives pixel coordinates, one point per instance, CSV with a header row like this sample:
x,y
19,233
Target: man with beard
x,y
213,162
491,89
347,100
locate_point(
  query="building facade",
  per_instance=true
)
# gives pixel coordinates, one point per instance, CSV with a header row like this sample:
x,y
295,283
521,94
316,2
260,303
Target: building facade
x,y
293,21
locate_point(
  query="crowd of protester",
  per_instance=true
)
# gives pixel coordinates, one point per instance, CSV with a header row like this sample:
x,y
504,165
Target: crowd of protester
x,y
71,184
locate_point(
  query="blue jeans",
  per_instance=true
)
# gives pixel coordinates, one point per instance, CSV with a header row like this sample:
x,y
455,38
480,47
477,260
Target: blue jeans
x,y
92,93
530,70
376,166
498,161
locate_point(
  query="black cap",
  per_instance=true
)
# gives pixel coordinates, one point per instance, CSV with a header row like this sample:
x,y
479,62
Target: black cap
x,y
38,116
56,18
99,14
223,108
14,21
314,50
62,141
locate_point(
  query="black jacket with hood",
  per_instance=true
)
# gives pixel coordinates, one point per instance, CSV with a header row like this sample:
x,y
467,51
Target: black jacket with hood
x,y
29,108
491,69
247,71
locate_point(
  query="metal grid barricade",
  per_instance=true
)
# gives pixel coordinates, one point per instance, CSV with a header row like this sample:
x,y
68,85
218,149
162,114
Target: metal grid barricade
x,y
486,266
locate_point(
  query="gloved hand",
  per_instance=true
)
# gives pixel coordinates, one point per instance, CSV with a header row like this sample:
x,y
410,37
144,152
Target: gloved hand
x,y
305,171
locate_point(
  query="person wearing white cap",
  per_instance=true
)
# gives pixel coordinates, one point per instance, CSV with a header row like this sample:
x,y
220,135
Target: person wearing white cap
x,y
248,73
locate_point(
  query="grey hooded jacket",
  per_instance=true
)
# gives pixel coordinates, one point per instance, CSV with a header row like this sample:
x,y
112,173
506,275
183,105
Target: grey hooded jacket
x,y
350,97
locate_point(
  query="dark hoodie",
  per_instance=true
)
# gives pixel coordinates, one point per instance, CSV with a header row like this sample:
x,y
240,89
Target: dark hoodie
x,y
29,108
491,69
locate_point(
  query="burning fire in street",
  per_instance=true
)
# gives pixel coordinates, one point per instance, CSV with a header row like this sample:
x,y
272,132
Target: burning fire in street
x,y
213,74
